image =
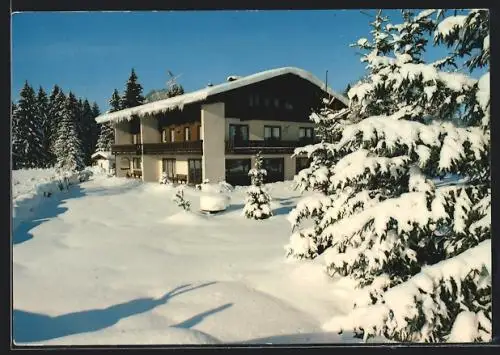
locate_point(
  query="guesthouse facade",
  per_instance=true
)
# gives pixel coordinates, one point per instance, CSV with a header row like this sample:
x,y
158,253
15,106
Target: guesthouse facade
x,y
213,133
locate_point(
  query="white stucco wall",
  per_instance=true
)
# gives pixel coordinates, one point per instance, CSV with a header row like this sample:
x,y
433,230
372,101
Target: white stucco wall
x,y
150,168
122,136
213,128
150,131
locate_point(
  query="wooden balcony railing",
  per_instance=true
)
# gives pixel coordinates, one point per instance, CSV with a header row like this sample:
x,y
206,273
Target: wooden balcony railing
x,y
266,146
188,147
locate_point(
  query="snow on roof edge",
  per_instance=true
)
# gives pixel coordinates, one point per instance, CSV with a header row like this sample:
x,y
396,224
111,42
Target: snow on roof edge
x,y
202,94
106,154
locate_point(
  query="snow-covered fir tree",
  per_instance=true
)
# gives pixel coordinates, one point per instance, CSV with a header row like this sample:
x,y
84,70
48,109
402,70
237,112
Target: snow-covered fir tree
x,y
44,118
16,147
257,201
29,147
161,94
405,184
107,133
68,147
132,95
89,130
95,109
57,101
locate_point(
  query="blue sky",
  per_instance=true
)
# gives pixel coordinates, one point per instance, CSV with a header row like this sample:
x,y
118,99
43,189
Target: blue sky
x,y
92,53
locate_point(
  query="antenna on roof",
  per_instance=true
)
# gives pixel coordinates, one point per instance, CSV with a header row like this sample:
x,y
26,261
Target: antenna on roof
x,y
172,81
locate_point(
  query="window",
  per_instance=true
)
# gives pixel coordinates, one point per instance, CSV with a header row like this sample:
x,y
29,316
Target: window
x,y
288,106
275,168
136,138
164,136
168,167
301,163
237,171
305,133
276,103
272,132
266,101
187,133
124,164
172,135
250,100
238,133
256,101
136,163
199,133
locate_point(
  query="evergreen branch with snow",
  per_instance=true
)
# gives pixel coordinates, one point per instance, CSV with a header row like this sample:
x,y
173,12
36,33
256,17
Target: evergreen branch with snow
x,y
385,210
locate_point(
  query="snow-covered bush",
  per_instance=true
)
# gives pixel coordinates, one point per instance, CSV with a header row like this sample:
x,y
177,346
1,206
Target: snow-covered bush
x,y
164,179
180,200
226,187
257,201
381,214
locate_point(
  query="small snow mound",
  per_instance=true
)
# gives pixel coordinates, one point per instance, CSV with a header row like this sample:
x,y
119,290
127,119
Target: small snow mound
x,y
232,78
214,202
187,218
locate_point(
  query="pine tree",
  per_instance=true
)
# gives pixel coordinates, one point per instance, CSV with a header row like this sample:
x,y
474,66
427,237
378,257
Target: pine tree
x,y
44,118
88,130
95,109
29,131
68,146
384,211
57,101
15,141
133,93
107,133
257,202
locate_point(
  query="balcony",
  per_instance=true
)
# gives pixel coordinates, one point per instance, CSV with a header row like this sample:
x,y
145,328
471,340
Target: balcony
x,y
265,146
188,147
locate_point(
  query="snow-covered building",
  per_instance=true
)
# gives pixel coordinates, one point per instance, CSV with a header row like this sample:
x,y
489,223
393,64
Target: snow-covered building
x,y
105,160
213,133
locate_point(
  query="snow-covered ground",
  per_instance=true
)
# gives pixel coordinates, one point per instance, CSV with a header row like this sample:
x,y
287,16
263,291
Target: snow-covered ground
x,y
115,261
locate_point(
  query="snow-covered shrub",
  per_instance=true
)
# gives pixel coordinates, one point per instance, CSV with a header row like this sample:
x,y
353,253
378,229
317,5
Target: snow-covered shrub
x,y
164,179
180,200
381,214
226,187
257,201
85,174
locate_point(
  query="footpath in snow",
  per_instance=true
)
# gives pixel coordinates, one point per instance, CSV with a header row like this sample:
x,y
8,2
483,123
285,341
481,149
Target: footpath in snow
x,y
115,261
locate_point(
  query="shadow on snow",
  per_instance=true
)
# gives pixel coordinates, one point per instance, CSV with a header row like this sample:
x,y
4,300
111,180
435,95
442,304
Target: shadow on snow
x,y
49,207
283,210
191,322
35,327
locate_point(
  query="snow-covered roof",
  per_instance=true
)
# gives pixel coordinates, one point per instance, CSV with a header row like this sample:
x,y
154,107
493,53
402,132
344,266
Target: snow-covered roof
x,y
202,94
104,155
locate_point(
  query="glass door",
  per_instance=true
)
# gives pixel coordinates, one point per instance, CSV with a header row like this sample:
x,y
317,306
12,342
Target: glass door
x,y
169,168
195,173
